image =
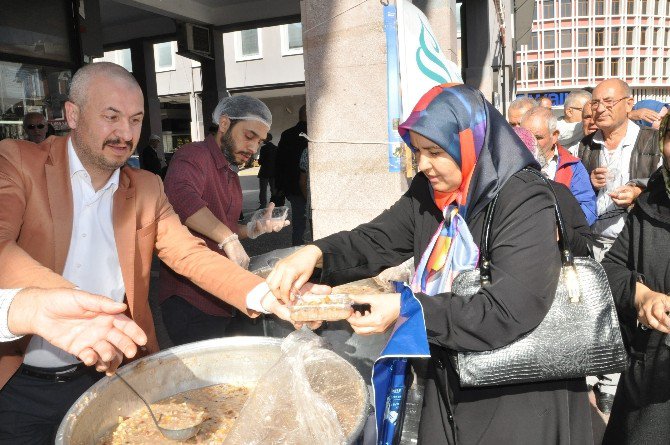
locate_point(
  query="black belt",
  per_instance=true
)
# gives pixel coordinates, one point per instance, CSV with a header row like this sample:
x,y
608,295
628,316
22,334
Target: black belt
x,y
62,374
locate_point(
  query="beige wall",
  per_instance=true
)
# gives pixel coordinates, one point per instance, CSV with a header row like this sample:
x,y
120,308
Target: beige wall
x,y
271,68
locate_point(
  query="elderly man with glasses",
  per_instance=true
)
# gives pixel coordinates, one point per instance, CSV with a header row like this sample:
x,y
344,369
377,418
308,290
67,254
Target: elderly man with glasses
x,y
35,126
620,157
570,126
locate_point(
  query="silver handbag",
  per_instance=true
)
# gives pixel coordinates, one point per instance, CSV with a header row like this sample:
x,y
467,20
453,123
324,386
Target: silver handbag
x,y
579,336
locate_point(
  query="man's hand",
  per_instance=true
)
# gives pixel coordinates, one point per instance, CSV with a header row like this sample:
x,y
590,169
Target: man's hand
x,y
262,222
625,195
272,304
236,253
91,327
652,308
599,177
644,114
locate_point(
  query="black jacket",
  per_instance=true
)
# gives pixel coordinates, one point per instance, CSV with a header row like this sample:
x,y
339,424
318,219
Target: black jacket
x,y
149,160
287,165
643,161
266,159
641,411
525,269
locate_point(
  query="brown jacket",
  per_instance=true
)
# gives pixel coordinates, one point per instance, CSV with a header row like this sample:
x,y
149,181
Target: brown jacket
x,y
36,225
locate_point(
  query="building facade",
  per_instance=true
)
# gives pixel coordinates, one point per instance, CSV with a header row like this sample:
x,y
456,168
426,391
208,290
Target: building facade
x,y
265,63
578,43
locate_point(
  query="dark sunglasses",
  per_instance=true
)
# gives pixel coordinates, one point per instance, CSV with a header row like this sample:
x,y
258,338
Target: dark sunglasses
x,y
33,126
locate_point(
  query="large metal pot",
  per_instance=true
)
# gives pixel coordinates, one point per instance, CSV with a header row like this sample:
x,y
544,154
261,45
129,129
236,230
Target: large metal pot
x,y
236,360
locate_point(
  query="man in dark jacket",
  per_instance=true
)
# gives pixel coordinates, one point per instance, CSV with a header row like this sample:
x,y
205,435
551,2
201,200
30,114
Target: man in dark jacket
x,y
619,157
266,174
287,174
149,158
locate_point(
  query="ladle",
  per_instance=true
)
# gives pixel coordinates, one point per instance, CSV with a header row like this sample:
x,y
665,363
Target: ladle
x,y
178,434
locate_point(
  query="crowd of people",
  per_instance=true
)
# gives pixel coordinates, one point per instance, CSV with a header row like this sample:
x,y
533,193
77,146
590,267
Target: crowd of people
x,y
80,228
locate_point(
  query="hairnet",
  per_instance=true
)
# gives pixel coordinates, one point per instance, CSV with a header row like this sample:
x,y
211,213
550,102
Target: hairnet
x,y
242,108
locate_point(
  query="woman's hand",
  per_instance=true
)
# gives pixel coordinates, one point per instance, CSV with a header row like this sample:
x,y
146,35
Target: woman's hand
x,y
652,308
384,311
292,273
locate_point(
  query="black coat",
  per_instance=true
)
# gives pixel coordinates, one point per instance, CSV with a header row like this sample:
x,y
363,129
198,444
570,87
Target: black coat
x,y
266,159
641,411
287,164
525,270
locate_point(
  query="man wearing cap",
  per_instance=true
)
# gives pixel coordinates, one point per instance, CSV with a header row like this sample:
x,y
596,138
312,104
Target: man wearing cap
x,y
149,158
204,189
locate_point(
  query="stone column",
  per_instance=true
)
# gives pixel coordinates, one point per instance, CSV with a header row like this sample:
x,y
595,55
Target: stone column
x,y
144,71
345,82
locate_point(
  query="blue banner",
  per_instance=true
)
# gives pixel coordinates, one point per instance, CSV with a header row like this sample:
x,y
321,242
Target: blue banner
x,y
408,340
393,88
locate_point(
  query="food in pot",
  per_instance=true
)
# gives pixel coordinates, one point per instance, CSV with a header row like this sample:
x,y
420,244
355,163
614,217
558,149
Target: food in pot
x,y
310,307
216,406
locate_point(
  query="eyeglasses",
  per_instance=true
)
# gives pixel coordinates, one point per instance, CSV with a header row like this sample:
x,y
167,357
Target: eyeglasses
x,y
607,103
576,108
33,126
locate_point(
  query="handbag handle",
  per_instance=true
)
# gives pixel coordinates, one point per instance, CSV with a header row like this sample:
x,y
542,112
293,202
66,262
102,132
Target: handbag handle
x,y
567,259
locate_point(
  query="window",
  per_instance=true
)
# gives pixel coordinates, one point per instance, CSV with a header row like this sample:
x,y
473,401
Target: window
x,y
667,34
657,6
658,68
583,7
549,40
248,45
518,73
629,67
643,36
566,8
548,9
533,41
566,68
120,57
532,71
582,37
630,32
566,38
600,7
630,7
643,68
164,56
615,7
643,7
614,68
291,39
658,35
549,70
614,36
667,68
599,37
599,69
582,68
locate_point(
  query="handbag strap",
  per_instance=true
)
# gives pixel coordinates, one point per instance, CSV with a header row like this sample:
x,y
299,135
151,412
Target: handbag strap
x,y
567,259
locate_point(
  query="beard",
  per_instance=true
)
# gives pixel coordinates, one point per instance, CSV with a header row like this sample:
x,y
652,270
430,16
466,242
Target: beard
x,y
98,161
229,150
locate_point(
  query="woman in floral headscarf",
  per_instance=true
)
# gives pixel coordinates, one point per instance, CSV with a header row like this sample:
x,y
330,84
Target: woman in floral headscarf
x,y
638,269
466,155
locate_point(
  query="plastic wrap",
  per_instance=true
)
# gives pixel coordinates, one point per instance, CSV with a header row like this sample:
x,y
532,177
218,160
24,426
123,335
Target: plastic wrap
x,y
401,273
298,400
331,307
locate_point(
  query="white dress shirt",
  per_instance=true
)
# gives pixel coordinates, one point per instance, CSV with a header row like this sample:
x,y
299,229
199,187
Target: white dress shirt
x,y
6,298
611,218
92,262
